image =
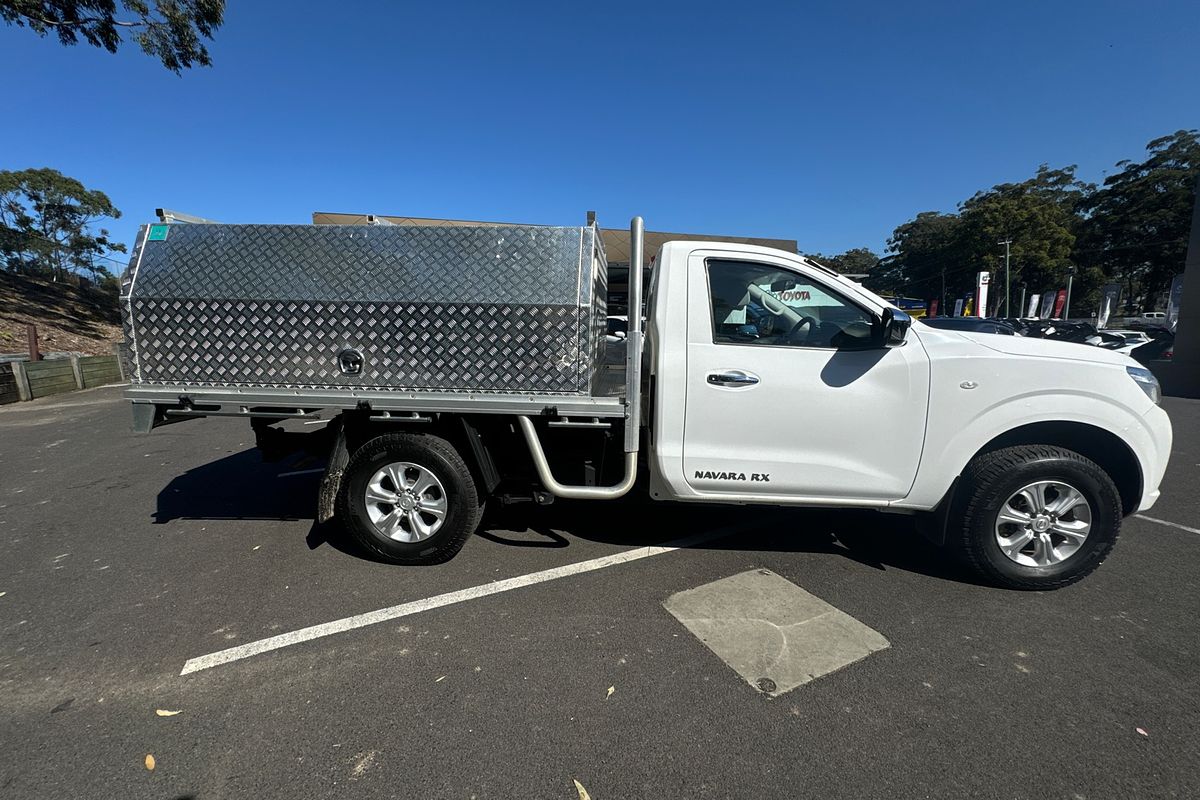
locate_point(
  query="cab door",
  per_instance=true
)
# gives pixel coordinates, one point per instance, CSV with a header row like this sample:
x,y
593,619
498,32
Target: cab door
x,y
788,395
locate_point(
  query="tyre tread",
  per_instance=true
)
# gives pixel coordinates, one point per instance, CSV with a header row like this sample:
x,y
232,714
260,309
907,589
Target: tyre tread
x,y
400,443
987,469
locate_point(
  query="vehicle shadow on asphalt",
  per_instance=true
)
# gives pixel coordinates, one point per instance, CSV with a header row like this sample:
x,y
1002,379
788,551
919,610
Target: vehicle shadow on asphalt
x,y
241,486
871,538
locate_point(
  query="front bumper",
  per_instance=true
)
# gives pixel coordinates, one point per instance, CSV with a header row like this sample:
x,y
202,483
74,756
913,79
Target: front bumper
x,y
1155,455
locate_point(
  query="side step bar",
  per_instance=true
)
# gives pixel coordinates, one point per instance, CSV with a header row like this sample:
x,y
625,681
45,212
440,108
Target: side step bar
x,y
574,492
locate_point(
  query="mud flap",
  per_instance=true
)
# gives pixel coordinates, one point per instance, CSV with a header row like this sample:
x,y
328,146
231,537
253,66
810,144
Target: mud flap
x,y
331,481
932,524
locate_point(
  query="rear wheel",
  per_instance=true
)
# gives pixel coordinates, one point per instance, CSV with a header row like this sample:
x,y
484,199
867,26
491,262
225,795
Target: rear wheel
x,y
409,499
1036,516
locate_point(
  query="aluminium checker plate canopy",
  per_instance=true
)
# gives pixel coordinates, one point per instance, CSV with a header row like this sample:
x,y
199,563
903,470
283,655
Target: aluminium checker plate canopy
x,y
256,311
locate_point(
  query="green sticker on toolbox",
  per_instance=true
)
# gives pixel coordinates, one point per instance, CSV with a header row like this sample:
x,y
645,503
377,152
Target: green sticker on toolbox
x,y
158,233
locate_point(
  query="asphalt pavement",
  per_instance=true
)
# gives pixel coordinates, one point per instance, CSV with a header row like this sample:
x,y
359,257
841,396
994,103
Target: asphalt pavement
x,y
124,556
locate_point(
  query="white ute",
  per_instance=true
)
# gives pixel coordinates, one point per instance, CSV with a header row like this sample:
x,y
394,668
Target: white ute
x,y
765,379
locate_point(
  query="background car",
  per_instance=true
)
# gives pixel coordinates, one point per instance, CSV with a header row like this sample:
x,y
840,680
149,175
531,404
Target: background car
x,y
616,328
971,325
1128,339
1160,348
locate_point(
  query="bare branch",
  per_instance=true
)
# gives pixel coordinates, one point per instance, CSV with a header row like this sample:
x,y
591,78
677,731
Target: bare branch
x,y
70,23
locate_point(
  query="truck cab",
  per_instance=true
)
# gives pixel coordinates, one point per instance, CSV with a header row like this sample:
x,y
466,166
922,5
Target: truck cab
x,y
774,380
814,405
809,404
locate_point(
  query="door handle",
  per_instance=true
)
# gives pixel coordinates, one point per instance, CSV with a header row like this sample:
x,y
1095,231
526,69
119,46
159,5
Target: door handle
x,y
734,378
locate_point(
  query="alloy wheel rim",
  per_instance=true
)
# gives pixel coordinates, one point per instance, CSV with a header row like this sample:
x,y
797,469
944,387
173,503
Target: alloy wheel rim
x,y
406,502
1043,524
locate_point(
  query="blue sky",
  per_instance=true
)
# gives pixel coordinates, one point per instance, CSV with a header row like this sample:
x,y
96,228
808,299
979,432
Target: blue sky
x,y
829,123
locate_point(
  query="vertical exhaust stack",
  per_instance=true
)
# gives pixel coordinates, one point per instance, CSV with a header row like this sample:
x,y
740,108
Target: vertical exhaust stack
x,y
633,340
633,394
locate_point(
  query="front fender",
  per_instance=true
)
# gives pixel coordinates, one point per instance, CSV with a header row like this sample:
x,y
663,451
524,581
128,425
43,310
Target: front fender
x,y
960,430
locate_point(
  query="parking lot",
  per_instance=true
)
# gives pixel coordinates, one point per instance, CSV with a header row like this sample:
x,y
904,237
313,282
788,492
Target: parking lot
x,y
127,557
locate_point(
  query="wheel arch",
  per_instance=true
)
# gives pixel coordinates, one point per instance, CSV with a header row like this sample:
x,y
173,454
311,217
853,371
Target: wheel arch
x,y
356,430
1094,443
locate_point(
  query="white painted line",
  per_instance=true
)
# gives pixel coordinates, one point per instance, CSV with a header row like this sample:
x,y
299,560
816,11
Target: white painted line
x,y
300,472
450,598
1169,524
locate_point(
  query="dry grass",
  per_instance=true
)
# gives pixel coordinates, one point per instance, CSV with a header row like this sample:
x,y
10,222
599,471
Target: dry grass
x,y
69,319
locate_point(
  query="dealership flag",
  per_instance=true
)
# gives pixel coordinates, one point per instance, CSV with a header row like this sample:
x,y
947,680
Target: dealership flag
x,y
1110,296
1047,305
1173,303
981,291
958,307
1033,304
1059,300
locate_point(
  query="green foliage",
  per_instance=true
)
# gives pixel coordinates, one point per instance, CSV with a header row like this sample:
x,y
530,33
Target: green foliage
x,y
46,224
110,284
925,251
857,261
170,32
1133,229
1038,216
1137,225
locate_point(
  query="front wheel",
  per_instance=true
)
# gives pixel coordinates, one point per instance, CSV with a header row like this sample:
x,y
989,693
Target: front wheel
x,y
409,499
1036,516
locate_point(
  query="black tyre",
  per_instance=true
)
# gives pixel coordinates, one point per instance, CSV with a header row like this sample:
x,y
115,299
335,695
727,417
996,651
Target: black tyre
x,y
409,499
1035,516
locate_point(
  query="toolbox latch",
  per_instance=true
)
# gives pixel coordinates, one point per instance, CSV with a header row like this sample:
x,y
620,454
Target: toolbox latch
x,y
350,361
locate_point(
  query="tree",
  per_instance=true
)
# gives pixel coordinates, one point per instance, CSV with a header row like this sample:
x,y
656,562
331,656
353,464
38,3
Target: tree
x,y
1136,226
170,32
925,252
857,261
46,223
938,255
1040,218
1133,229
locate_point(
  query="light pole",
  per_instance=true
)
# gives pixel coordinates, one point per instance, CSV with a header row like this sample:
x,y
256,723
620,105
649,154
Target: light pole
x,y
1006,243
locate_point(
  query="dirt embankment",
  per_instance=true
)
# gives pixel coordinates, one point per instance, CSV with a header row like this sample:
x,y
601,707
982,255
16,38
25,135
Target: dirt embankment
x,y
69,319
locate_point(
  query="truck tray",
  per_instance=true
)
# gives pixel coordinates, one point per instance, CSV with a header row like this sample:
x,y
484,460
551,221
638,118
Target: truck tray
x,y
262,311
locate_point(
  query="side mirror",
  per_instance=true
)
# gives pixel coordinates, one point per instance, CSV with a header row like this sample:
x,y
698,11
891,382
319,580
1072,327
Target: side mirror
x,y
893,327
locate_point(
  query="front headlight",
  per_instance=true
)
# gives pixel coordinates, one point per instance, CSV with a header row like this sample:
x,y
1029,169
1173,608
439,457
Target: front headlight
x,y
1145,379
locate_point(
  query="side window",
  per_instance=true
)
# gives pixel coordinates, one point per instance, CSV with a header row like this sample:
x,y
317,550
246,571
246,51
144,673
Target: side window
x,y
762,304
